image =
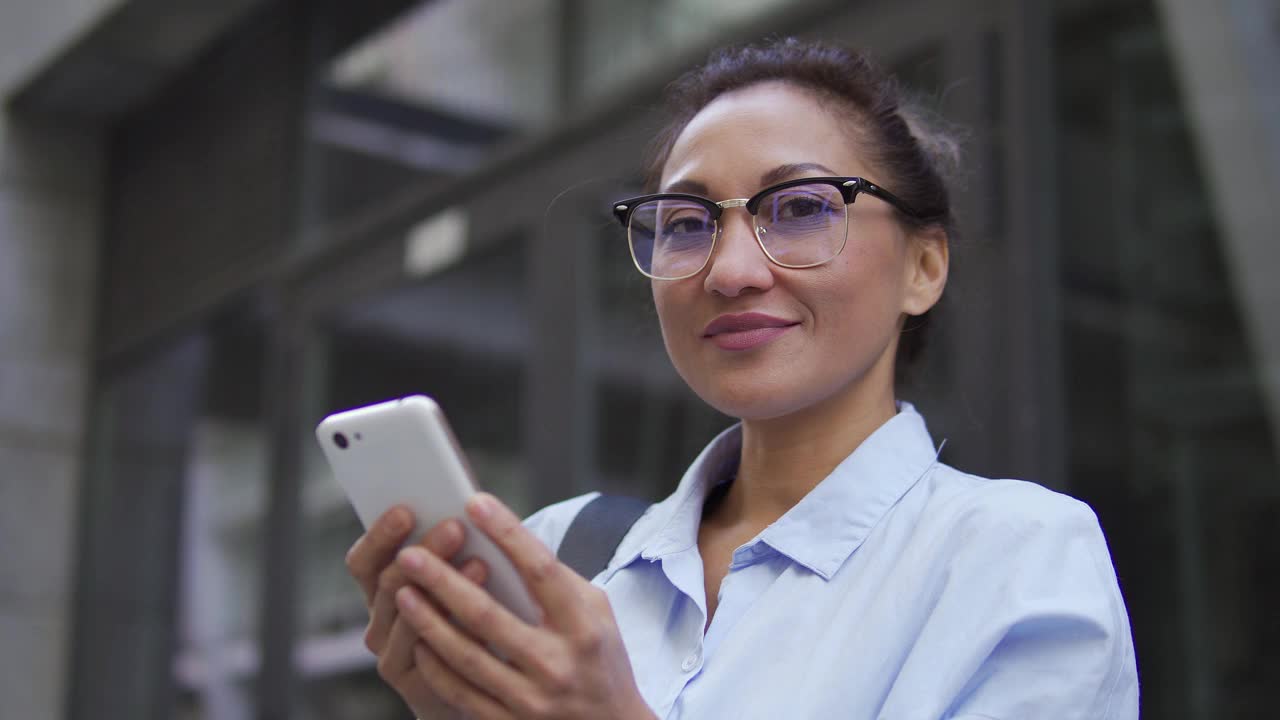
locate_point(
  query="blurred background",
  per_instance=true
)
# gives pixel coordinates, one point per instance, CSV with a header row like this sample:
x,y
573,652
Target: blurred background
x,y
221,221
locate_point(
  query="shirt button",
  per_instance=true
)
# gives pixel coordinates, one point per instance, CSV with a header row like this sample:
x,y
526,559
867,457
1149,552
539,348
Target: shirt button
x,y
691,662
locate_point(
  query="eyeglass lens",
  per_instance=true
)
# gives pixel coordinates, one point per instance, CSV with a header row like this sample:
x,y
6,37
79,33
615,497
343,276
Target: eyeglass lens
x,y
800,225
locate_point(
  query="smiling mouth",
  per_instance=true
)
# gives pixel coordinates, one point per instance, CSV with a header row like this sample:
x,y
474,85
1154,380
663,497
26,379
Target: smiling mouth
x,y
746,330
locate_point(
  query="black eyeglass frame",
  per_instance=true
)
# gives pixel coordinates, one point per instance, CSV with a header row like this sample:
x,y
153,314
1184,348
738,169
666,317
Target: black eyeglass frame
x,y
849,187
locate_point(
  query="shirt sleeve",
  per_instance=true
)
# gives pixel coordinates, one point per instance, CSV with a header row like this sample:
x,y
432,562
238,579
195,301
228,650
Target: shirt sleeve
x,y
1029,622
551,522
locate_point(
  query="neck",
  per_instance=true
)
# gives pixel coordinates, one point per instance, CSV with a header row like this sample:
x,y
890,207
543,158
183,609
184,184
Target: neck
x,y
784,458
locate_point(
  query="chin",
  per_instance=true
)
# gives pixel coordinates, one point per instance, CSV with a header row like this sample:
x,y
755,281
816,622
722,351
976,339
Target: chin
x,y
783,386
752,399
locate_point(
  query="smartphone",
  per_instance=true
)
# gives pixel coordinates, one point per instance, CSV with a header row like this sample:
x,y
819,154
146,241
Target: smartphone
x,y
402,452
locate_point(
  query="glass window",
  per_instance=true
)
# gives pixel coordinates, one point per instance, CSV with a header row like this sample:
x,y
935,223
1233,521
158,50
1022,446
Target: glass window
x,y
485,60
429,97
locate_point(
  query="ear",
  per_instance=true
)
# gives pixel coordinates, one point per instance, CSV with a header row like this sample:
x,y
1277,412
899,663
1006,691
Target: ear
x,y
928,255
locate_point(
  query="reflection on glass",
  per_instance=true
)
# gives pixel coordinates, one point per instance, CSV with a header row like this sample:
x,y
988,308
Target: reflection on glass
x,y
430,96
488,60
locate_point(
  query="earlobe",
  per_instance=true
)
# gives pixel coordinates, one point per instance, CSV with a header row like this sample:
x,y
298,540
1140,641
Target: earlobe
x,y
928,260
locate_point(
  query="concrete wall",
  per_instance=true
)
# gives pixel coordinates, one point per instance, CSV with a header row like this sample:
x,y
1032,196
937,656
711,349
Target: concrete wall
x,y
49,218
50,207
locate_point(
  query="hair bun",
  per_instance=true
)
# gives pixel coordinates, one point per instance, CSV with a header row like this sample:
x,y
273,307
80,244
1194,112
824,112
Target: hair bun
x,y
941,141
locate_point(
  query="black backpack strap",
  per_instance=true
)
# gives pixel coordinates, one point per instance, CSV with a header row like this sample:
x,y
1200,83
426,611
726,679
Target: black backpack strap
x,y
596,532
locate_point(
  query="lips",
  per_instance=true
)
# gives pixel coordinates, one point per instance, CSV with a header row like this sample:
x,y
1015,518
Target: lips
x,y
744,331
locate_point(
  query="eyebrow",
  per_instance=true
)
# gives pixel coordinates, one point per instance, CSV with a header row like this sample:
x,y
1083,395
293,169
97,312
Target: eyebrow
x,y
776,175
786,172
693,187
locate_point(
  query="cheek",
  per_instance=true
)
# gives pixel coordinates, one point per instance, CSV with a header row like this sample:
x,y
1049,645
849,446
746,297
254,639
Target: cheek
x,y
674,303
863,293
661,302
669,299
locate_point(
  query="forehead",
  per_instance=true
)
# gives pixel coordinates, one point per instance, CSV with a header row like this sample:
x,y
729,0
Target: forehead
x,y
743,134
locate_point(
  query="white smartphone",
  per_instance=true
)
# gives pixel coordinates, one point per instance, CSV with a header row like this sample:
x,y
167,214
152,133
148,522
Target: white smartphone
x,y
402,452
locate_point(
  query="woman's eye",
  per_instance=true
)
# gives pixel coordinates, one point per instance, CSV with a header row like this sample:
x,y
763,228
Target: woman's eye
x,y
801,207
684,226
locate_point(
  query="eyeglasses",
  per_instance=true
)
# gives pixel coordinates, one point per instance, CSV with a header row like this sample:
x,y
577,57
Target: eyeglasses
x,y
799,223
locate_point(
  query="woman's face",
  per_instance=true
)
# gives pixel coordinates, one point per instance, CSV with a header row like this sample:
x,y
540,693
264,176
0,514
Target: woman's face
x,y
839,321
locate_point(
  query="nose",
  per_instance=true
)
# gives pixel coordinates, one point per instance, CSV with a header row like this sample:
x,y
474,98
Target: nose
x,y
738,263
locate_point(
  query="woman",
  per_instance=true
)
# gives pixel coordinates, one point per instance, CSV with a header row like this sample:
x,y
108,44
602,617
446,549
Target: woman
x,y
816,559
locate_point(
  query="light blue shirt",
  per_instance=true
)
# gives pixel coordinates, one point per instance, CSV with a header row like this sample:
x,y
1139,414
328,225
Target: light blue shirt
x,y
898,589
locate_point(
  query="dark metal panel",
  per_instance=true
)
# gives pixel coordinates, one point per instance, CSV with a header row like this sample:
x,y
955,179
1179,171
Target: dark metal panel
x,y
289,370
956,387
570,64
1035,413
126,57
340,24
202,182
554,408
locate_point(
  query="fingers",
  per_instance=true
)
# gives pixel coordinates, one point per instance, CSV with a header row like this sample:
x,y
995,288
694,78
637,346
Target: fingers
x,y
444,540
382,613
471,606
553,585
453,689
377,548
396,657
465,656
476,571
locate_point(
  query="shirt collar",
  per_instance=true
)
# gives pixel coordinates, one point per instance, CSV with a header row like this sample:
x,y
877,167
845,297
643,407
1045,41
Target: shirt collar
x,y
825,527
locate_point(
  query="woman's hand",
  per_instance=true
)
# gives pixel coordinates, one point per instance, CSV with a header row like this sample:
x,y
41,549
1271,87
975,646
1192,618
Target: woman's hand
x,y
573,665
371,562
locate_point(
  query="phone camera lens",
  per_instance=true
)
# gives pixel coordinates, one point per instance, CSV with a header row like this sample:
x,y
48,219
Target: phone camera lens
x,y
340,440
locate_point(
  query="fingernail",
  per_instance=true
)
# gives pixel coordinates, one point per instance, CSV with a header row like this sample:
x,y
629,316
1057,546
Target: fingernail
x,y
481,506
475,571
451,533
413,558
396,521
407,598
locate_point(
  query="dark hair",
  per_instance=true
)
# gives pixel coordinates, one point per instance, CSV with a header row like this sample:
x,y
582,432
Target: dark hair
x,y
914,157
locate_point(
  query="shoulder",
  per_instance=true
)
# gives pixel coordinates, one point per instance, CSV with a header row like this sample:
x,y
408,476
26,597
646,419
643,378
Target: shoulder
x,y
971,505
550,523
1015,530
1021,540
1035,563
